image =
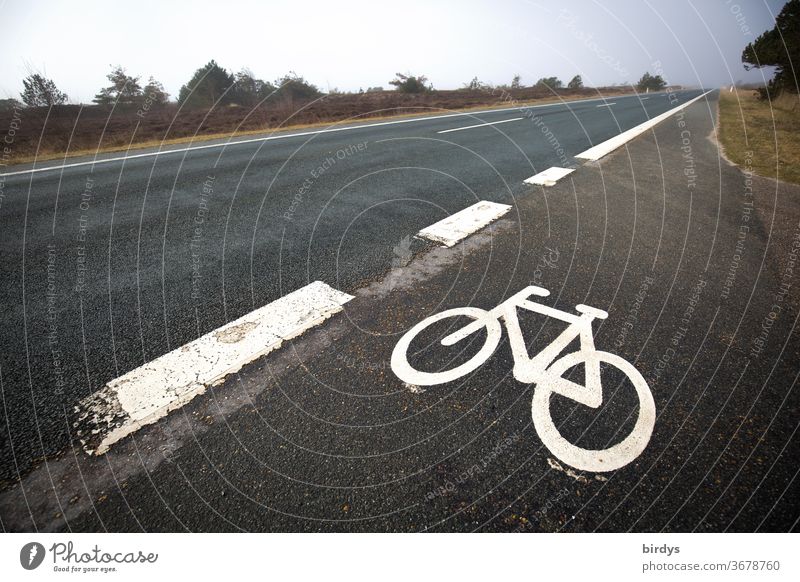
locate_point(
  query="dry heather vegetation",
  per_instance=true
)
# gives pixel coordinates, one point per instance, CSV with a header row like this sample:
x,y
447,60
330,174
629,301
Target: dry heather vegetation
x,y
770,131
68,130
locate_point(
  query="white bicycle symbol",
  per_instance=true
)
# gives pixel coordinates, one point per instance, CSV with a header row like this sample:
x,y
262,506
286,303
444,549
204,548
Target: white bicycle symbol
x,y
545,371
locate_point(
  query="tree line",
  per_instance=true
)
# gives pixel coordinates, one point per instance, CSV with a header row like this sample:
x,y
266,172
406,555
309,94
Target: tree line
x,y
212,85
516,83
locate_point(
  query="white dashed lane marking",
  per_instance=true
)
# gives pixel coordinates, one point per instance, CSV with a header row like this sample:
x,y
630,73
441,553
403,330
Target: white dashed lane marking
x,y
150,392
463,223
480,125
550,176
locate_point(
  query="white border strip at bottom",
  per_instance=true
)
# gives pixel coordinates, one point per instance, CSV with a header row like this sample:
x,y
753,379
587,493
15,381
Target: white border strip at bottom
x,y
150,392
608,146
463,223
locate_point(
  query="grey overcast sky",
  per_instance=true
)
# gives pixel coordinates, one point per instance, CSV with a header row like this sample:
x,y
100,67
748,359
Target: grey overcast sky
x,y
351,44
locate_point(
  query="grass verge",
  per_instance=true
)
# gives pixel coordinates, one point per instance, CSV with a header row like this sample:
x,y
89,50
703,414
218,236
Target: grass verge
x,y
768,132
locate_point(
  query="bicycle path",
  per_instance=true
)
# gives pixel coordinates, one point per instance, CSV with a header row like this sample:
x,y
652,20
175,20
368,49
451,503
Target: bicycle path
x,y
693,261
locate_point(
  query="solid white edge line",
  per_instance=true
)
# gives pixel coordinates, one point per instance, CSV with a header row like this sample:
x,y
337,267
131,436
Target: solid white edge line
x,y
148,393
302,134
480,125
463,223
596,152
549,177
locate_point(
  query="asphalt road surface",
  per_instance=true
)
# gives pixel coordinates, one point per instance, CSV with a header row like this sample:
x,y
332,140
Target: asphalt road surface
x,y
123,261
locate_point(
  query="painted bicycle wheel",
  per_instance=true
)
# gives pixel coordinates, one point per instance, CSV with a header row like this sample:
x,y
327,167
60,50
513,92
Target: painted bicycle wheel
x,y
409,374
597,461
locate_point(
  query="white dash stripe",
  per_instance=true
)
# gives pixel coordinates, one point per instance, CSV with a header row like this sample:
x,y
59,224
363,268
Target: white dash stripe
x,y
608,146
480,125
606,104
150,392
464,222
550,176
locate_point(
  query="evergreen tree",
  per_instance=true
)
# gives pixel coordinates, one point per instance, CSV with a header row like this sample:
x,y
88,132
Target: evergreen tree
x,y
40,91
779,48
209,85
411,84
651,82
575,83
124,89
154,91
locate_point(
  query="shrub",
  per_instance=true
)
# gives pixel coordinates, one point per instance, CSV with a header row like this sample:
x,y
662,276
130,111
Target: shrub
x,y
549,83
411,84
293,86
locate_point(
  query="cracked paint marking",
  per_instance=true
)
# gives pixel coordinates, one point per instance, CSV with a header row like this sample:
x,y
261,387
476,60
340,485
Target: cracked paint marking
x,y
150,392
236,333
